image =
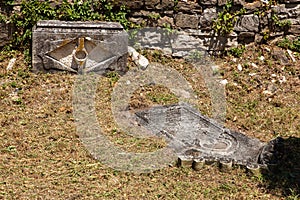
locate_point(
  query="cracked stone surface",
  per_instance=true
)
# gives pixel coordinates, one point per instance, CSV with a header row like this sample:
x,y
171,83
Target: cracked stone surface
x,y
198,139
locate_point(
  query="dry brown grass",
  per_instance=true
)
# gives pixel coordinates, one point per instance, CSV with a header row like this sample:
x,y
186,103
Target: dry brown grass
x,y
43,158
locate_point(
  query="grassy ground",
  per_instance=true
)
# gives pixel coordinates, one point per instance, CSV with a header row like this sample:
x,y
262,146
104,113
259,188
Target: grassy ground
x,y
43,158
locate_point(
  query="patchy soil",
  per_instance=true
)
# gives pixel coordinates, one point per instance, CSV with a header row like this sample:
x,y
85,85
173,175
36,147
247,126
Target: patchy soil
x,y
43,158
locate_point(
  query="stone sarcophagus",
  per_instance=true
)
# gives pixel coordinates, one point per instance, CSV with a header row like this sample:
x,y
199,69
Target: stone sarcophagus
x,y
79,47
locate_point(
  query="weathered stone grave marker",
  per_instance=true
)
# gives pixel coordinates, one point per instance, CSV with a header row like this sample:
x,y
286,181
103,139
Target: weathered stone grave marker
x,y
79,47
199,140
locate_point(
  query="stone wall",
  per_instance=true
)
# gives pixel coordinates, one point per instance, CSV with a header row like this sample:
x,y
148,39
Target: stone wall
x,y
195,18
6,30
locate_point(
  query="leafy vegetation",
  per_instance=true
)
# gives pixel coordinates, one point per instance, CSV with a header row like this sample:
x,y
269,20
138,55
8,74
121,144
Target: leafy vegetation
x,y
289,44
275,24
237,51
35,10
280,24
226,19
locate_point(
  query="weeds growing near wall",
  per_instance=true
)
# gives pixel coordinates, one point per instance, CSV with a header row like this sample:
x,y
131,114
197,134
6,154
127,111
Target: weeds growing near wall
x,y
236,51
289,44
226,19
35,10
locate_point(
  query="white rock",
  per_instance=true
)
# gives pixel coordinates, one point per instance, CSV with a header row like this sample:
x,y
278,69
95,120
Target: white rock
x,y
143,62
282,79
239,67
274,75
267,49
261,58
267,92
291,55
137,58
252,74
254,65
234,59
224,82
132,52
11,64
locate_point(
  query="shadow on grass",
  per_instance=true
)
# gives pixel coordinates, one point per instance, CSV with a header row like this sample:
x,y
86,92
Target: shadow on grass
x,y
285,177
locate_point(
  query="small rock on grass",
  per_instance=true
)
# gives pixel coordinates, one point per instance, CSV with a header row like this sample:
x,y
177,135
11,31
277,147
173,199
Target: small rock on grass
x,y
254,65
137,58
291,55
282,79
224,82
11,64
239,67
261,58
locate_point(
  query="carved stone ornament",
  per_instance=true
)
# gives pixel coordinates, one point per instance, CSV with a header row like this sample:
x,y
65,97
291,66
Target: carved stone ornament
x,y
79,47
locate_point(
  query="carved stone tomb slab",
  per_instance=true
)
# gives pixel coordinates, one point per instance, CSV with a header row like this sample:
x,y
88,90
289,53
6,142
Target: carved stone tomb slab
x,y
79,47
